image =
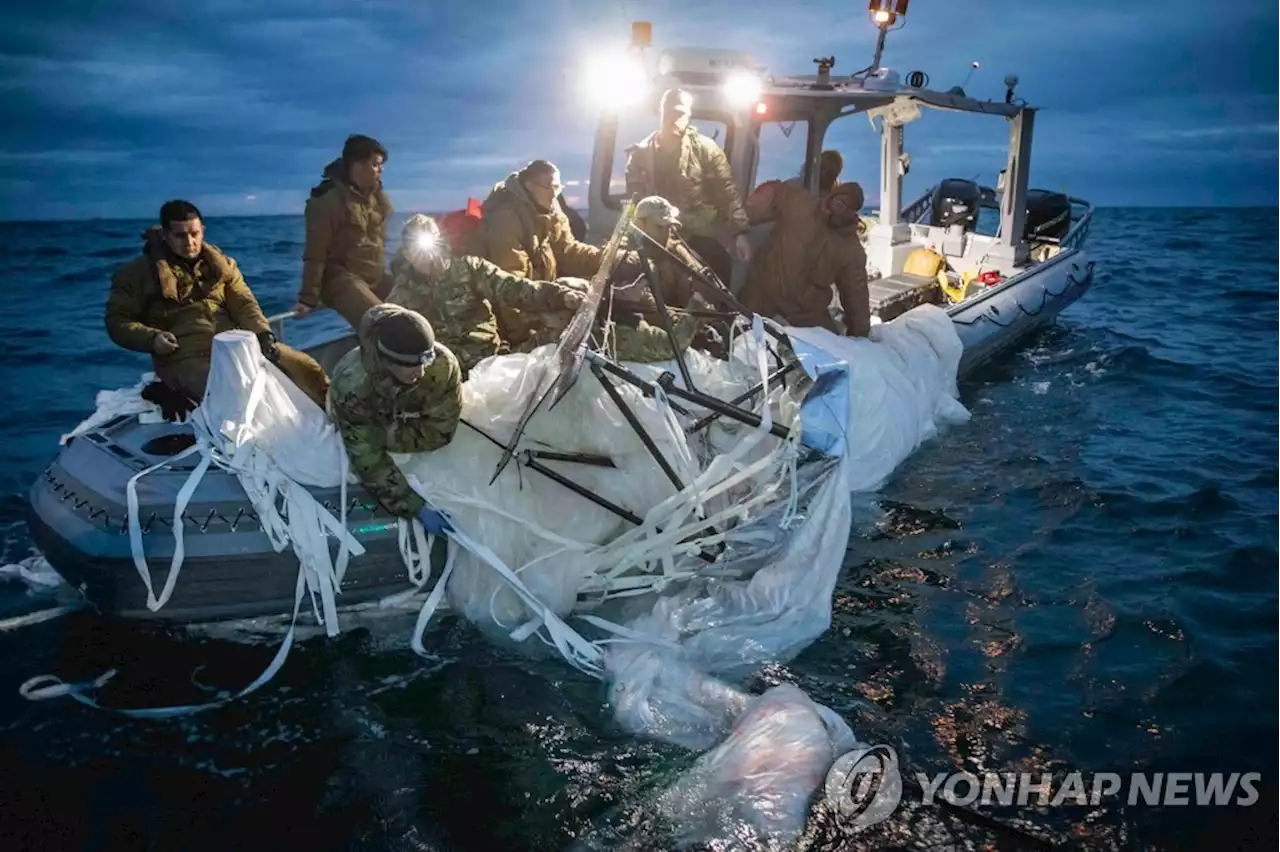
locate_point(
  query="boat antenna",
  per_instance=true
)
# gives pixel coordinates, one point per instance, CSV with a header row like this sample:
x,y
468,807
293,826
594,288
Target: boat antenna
x,y
959,90
884,14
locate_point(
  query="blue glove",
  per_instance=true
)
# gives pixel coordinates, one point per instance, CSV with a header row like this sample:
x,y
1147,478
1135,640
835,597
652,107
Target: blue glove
x,y
435,521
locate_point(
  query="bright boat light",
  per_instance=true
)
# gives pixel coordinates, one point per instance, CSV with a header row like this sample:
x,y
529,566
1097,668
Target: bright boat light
x,y
742,89
615,83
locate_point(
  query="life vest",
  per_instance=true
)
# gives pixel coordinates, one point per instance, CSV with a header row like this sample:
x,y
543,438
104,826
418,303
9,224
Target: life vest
x,y
456,226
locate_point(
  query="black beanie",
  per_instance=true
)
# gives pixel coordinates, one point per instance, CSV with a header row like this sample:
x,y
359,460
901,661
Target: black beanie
x,y
406,338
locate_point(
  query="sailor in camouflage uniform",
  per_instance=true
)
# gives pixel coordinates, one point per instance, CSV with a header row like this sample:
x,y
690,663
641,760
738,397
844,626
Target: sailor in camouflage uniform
x,y
400,391
478,310
660,219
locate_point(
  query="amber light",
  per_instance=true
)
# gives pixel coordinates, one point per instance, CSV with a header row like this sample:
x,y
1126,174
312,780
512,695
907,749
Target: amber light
x,y
887,12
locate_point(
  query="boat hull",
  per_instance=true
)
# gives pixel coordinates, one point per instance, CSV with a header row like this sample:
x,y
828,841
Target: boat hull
x,y
1005,315
77,515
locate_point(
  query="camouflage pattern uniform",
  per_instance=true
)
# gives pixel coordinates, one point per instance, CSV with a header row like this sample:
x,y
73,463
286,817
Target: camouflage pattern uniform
x,y
344,260
377,415
475,307
157,291
660,220
478,310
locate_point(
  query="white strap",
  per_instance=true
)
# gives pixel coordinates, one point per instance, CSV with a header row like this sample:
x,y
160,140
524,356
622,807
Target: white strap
x,y
44,687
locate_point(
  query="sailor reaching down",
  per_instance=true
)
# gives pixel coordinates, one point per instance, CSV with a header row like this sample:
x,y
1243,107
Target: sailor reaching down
x,y
398,392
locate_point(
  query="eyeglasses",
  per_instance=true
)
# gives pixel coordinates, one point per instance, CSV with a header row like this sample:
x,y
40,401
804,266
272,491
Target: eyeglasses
x,y
555,188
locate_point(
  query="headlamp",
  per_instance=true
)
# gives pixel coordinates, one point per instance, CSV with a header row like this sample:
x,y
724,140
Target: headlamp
x,y
420,359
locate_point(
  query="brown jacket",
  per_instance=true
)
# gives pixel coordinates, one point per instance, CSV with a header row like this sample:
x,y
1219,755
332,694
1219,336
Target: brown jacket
x,y
792,273
158,292
517,237
346,232
700,185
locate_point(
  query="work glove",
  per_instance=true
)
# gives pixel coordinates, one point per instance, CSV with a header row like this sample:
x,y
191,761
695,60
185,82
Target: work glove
x,y
270,349
174,404
434,521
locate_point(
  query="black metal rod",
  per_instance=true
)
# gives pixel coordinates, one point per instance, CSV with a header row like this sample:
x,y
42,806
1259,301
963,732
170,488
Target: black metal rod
x,y
533,464
647,388
549,455
576,458
664,316
741,398
637,426
605,504
723,408
581,491
716,289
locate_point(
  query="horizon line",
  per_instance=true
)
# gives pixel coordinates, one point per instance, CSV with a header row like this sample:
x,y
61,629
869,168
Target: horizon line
x,y
58,220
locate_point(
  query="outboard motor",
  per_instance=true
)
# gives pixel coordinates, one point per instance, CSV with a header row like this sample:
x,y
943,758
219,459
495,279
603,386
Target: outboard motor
x,y
955,209
1048,215
956,202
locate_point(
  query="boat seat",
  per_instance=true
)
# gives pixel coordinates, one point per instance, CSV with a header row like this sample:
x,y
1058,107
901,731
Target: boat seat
x,y
894,295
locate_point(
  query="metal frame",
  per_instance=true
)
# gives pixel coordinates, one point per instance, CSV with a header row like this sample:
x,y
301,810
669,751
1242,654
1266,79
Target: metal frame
x,y
607,371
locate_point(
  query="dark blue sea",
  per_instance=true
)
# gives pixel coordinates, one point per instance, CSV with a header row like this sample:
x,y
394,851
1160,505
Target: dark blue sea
x,y
1081,578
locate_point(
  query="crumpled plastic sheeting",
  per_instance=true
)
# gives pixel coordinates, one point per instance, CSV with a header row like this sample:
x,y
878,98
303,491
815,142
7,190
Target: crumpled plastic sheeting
x,y
755,786
110,404
899,386
902,385
524,515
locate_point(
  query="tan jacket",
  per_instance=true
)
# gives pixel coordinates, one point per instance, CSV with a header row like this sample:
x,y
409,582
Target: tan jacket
x,y
792,273
517,237
157,292
346,232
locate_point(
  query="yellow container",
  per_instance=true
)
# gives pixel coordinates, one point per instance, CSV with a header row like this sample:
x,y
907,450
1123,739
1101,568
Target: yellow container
x,y
924,262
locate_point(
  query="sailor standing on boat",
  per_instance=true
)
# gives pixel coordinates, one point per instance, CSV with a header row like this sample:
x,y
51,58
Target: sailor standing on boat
x,y
688,169
399,391
173,298
344,259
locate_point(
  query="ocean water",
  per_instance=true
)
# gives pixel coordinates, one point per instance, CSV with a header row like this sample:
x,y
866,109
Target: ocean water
x,y
1083,577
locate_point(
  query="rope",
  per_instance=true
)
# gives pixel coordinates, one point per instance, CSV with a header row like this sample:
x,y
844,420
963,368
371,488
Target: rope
x,y
1045,295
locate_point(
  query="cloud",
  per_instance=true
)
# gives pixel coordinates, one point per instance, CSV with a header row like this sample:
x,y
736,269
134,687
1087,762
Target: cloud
x,y
115,109
1210,132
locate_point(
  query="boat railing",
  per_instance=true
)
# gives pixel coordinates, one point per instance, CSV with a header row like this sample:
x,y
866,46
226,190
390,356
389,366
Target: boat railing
x,y
276,321
1075,237
915,212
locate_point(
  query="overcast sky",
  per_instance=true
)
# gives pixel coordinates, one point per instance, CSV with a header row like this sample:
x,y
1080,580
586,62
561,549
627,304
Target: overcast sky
x,y
110,108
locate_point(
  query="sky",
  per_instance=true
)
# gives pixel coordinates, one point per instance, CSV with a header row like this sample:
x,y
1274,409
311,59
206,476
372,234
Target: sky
x,y
110,108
